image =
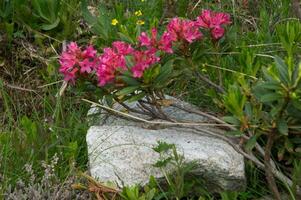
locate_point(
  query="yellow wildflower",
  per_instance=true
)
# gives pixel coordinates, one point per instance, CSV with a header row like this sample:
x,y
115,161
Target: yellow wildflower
x,y
114,22
140,22
138,13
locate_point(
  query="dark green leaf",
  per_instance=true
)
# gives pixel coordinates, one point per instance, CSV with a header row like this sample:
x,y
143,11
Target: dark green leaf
x,y
127,90
297,103
163,147
47,27
289,145
125,38
231,120
270,97
267,75
270,85
137,97
162,163
165,73
130,81
248,110
282,70
236,133
282,127
251,143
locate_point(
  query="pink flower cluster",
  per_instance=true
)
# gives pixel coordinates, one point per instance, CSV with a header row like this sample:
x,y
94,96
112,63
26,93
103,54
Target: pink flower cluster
x,y
143,60
213,21
186,30
112,62
73,61
163,44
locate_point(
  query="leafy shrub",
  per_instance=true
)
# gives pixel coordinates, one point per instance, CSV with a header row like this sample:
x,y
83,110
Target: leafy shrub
x,y
263,97
39,16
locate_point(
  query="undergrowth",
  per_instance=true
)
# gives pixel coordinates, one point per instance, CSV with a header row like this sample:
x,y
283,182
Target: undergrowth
x,y
38,124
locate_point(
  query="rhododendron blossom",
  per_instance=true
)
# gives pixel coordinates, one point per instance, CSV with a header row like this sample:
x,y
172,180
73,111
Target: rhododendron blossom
x,y
183,30
163,44
73,59
143,60
122,48
214,21
111,61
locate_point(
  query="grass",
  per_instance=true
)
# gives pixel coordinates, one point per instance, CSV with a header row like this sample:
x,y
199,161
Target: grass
x,y
36,124
59,127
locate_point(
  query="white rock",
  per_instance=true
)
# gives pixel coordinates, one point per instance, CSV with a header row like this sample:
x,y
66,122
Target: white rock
x,y
121,151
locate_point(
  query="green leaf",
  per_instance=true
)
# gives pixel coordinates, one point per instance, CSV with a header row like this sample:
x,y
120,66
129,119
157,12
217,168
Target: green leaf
x,y
30,128
151,73
251,143
9,28
270,97
109,100
150,194
289,145
127,90
126,38
270,85
130,81
236,133
282,127
129,61
248,110
163,147
137,97
1,84
231,120
297,103
282,70
162,163
47,27
165,73
267,75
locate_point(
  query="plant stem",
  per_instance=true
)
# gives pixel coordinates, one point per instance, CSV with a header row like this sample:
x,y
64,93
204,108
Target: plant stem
x,y
268,168
217,58
218,88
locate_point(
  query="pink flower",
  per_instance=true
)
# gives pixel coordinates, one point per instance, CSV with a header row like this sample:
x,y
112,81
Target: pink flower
x,y
174,28
144,40
74,60
70,75
112,61
190,31
89,52
213,21
204,20
164,43
122,48
183,30
143,60
73,48
217,32
87,65
221,18
68,60
105,74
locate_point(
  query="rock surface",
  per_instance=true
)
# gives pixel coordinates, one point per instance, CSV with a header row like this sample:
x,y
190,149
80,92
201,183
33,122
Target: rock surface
x,y
120,151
